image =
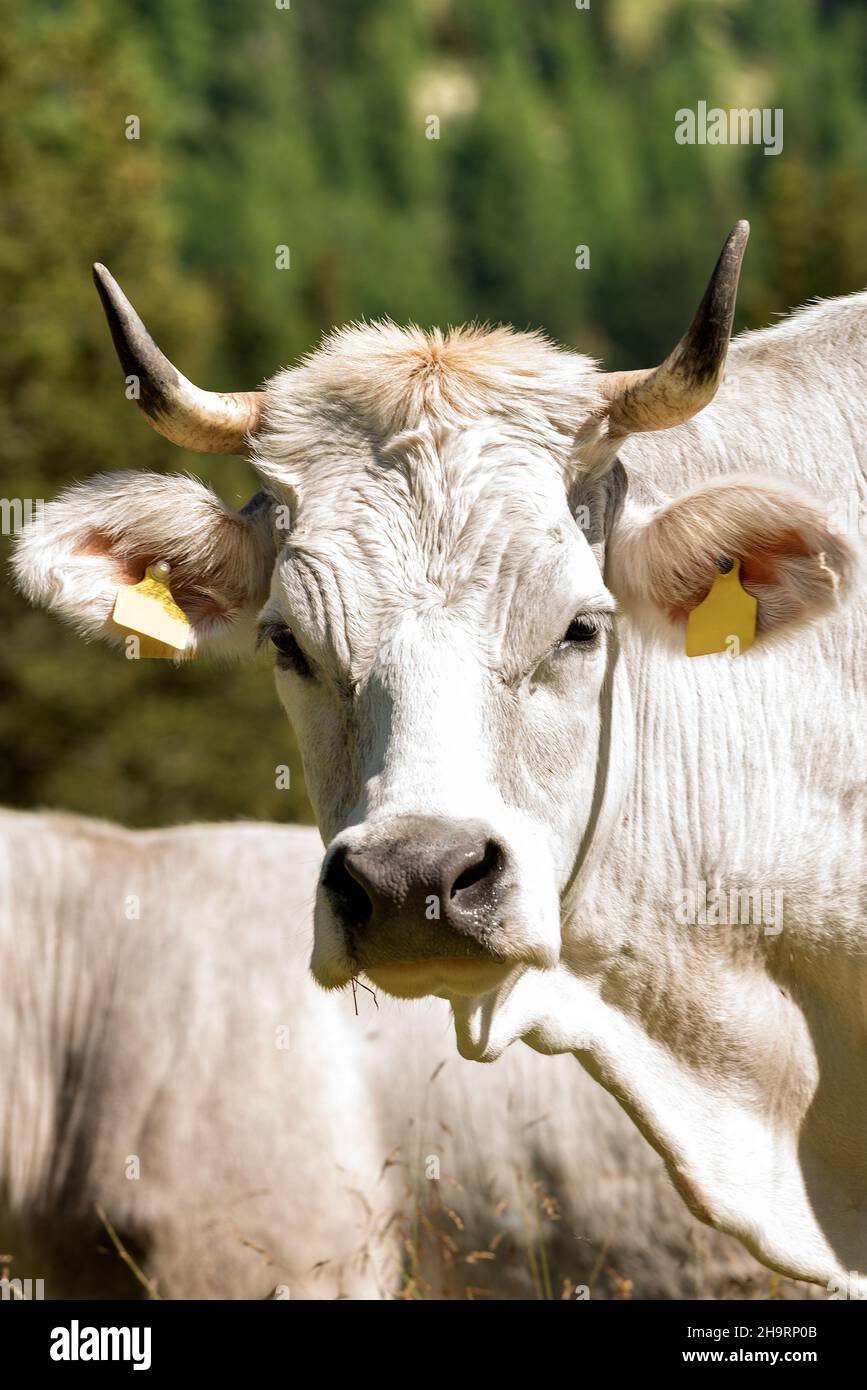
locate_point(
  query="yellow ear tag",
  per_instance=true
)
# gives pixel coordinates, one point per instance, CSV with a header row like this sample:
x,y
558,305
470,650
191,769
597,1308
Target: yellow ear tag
x,y
148,609
726,619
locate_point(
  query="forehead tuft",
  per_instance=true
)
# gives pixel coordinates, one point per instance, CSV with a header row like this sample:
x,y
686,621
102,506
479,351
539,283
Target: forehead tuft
x,y
368,383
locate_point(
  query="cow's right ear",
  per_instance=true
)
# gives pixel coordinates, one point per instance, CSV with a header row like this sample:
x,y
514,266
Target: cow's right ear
x,y
663,560
105,532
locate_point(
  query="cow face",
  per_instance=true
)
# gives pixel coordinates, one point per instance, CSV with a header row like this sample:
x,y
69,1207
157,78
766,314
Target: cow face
x,y
441,628
427,562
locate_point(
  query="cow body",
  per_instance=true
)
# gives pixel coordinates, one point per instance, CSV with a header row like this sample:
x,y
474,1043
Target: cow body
x,y
738,1047
476,556
149,1074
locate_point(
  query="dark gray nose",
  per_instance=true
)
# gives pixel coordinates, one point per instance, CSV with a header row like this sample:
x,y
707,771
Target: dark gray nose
x,y
420,868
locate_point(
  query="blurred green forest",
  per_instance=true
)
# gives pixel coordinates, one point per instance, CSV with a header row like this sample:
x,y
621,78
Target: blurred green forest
x,y
305,126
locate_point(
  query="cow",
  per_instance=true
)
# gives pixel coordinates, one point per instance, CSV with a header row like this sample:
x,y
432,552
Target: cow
x,y
176,1088
476,557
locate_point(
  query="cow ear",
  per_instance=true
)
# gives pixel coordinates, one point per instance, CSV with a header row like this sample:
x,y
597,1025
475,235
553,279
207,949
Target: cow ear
x,y
663,561
105,532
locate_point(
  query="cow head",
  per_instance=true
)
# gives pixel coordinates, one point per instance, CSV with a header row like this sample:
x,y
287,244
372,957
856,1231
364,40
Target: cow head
x,y
438,557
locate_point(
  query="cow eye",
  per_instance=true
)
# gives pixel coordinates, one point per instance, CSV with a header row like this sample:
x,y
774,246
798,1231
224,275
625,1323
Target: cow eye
x,y
289,655
581,630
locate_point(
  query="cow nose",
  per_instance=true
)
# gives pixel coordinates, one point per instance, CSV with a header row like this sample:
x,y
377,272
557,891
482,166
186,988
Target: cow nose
x,y
430,868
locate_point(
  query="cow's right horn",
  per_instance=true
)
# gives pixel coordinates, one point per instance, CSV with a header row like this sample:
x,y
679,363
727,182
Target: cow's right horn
x,y
210,422
659,397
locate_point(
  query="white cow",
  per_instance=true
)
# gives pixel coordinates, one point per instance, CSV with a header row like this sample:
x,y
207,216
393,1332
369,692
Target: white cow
x,y
475,560
170,1064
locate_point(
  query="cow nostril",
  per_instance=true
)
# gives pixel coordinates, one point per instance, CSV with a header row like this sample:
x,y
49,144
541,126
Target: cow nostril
x,y
389,883
353,899
487,867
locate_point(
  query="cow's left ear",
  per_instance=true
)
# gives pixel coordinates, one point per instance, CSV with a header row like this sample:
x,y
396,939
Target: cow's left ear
x,y
106,532
663,561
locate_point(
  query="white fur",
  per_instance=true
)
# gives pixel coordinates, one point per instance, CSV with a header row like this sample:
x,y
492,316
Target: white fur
x,y
432,564
301,1165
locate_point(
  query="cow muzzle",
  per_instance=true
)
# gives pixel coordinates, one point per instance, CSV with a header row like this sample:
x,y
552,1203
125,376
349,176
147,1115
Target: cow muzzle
x,y
412,900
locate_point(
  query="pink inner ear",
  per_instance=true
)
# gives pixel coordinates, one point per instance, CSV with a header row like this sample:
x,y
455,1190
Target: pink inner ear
x,y
198,606
758,567
127,571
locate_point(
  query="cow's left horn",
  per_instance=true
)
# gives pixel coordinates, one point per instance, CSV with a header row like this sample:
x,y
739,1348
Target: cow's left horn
x,y
659,397
211,422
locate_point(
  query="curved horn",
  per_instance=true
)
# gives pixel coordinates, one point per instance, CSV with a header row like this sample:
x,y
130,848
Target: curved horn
x,y
211,422
659,397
